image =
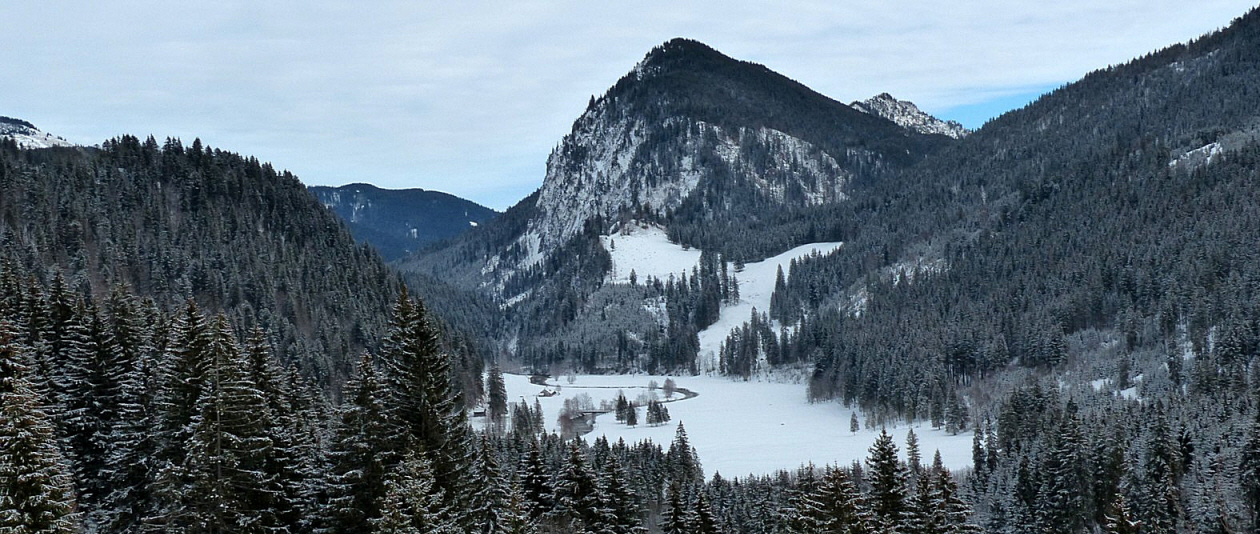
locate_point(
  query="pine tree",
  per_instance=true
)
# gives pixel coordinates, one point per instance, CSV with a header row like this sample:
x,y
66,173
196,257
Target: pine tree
x,y
536,483
359,455
632,416
36,492
888,484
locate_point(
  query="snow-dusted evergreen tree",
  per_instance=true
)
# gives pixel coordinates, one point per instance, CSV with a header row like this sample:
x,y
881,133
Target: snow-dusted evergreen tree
x,y
413,504
620,499
359,455
226,486
86,396
683,462
835,506
288,462
180,379
1065,489
704,522
579,498
36,491
496,397
887,477
489,512
128,436
953,514
1119,519
675,518
423,405
536,483
914,458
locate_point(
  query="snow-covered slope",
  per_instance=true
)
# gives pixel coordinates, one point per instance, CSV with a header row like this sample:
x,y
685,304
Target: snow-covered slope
x,y
907,115
646,251
28,136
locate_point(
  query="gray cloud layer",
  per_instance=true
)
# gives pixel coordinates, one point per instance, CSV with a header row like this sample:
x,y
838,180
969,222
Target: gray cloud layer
x,y
470,97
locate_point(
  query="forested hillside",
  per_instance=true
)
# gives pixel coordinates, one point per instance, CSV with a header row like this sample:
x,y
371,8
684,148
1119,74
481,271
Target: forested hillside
x,y
398,221
177,223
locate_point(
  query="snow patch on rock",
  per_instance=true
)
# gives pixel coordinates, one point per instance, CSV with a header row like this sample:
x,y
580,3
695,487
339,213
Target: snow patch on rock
x,y
909,116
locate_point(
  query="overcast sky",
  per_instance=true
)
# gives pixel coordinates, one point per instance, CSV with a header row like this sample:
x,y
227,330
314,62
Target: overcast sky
x,y
470,97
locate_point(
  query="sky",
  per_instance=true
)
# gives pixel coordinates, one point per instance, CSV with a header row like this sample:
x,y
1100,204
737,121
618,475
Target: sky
x,y
470,97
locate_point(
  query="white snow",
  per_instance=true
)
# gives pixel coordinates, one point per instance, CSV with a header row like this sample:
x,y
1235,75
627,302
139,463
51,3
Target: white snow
x,y
756,285
29,137
1203,155
741,428
908,116
647,251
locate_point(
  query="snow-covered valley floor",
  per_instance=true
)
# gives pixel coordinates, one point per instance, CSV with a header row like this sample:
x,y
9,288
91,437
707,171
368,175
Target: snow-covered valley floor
x,y
740,428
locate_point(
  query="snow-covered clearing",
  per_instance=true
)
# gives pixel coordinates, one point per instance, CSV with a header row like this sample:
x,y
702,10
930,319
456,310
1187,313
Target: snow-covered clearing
x,y
756,285
646,250
740,428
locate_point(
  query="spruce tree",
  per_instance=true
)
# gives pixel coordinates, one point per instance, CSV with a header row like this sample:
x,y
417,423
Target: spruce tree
x,y
227,487
682,460
536,483
496,397
621,502
835,506
676,519
423,405
888,484
36,491
359,455
412,503
579,498
128,436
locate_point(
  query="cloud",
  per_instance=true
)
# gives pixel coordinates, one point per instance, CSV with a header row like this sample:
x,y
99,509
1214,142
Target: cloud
x,y
470,97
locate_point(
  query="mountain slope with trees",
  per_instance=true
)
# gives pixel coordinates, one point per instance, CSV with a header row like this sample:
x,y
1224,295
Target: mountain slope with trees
x,y
398,221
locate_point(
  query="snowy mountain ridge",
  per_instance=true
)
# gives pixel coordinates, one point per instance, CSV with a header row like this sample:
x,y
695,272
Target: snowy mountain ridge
x,y
907,115
26,135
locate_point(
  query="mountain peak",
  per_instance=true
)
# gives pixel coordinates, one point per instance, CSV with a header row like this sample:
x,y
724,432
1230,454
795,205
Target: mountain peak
x,y
26,135
909,116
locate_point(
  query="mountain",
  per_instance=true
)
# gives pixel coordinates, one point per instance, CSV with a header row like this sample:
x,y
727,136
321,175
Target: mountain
x,y
908,115
725,156
398,221
26,135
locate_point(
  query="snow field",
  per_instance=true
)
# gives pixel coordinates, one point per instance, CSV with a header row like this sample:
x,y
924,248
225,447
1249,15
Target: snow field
x,y
740,428
648,252
756,285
